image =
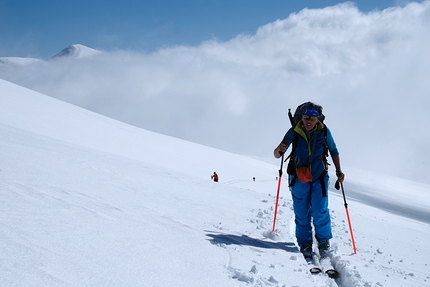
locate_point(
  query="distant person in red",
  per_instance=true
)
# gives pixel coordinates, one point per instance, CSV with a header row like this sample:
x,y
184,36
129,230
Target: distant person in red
x,y
215,177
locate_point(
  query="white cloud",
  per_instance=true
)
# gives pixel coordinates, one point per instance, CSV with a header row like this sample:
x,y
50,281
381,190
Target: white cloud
x,y
368,70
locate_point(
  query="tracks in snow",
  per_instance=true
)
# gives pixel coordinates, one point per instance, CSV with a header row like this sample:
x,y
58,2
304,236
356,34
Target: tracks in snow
x,y
262,258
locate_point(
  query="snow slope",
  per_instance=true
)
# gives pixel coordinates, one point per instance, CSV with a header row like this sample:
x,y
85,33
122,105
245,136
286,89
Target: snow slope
x,y
90,201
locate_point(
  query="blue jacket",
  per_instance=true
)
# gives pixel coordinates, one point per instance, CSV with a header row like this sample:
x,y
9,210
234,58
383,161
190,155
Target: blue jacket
x,y
305,143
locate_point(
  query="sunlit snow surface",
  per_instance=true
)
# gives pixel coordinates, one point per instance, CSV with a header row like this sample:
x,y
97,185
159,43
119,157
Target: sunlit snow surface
x,y
89,201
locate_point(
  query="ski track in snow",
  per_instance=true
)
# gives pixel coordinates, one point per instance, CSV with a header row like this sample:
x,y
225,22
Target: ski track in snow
x,y
265,268
257,272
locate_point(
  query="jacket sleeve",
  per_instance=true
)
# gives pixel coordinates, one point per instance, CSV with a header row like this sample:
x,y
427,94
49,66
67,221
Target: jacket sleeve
x,y
331,144
288,138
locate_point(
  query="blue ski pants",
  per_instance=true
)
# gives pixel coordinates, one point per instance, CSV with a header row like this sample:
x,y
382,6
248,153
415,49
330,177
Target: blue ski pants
x,y
309,203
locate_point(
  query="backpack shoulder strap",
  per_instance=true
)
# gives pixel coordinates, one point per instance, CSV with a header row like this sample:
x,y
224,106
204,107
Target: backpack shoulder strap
x,y
324,131
293,145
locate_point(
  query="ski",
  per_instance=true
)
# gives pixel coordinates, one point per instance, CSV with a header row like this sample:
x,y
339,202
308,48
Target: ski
x,y
313,263
318,265
332,273
321,263
328,268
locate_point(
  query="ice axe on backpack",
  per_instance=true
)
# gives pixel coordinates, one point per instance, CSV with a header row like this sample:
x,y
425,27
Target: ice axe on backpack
x,y
290,116
337,184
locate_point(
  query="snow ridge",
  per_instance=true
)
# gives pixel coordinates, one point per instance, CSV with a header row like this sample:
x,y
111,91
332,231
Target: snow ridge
x,y
76,51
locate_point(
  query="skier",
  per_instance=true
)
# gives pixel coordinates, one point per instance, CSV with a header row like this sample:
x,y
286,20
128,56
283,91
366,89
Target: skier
x,y
309,188
215,177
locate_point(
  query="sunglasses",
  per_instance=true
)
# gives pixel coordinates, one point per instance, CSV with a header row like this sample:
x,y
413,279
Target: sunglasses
x,y
310,118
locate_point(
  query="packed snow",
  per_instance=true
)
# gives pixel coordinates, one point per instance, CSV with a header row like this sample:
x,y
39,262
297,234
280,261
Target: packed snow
x,y
90,201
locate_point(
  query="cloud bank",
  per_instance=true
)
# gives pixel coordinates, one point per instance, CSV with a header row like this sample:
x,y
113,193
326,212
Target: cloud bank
x,y
368,70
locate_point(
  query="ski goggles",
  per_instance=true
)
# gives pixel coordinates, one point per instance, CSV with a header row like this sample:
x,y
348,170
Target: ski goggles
x,y
310,118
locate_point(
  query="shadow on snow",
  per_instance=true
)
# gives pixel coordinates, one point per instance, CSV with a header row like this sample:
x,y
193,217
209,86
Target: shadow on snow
x,y
230,239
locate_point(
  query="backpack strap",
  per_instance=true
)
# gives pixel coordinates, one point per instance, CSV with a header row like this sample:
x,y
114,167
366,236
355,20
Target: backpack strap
x,y
326,151
291,169
324,131
322,182
323,187
312,151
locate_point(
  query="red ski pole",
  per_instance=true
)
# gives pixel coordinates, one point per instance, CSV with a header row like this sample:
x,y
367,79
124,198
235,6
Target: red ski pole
x,y
347,216
277,194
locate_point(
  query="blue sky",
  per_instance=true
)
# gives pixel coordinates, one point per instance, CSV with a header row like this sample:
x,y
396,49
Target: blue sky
x,y
42,28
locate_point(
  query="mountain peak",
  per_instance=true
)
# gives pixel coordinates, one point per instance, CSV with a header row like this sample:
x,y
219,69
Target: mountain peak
x,y
75,51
